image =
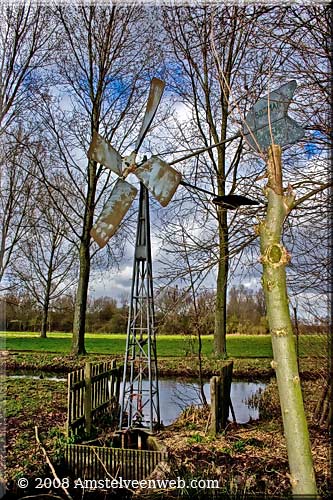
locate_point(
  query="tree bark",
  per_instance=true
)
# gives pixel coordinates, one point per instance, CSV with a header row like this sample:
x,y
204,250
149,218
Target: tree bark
x,y
79,324
221,289
46,304
223,265
274,258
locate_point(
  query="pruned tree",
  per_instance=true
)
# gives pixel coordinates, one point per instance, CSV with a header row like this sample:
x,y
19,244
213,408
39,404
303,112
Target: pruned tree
x,y
275,258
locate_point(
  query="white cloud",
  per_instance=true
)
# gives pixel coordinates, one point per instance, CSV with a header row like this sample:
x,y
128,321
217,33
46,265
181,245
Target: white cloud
x,y
113,284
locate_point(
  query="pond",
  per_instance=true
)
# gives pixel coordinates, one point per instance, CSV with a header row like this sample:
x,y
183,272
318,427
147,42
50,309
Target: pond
x,y
176,394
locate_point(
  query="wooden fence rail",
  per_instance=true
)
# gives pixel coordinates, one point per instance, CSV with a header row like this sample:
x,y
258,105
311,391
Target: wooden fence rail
x,y
96,462
92,391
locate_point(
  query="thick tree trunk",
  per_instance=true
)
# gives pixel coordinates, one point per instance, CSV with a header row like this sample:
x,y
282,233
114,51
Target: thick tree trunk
x,y
274,258
221,289
223,265
79,324
43,330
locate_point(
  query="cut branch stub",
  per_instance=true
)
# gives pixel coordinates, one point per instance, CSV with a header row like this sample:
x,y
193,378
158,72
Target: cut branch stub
x,y
275,255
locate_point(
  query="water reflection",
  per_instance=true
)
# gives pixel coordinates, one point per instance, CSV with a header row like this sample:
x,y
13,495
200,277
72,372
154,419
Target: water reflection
x,y
177,394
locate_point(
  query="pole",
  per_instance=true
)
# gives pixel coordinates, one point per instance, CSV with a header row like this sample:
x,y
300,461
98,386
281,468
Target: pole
x,y
297,335
203,150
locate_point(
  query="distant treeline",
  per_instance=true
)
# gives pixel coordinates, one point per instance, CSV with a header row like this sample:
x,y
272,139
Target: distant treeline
x,y
174,313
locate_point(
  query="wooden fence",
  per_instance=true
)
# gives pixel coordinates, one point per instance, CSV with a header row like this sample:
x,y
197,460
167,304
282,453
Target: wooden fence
x,y
92,391
95,462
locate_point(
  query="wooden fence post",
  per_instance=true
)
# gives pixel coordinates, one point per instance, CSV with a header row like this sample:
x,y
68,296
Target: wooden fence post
x,y
87,398
214,395
225,388
112,379
69,404
220,401
117,388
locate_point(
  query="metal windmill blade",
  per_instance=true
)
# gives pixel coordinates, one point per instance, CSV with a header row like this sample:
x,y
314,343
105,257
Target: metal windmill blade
x,y
160,179
154,98
158,176
101,151
115,209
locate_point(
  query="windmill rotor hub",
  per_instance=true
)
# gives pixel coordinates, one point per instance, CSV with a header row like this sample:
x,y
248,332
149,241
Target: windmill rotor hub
x,y
128,164
129,169
130,159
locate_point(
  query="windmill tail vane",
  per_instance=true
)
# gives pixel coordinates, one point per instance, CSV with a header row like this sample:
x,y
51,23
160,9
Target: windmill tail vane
x,y
158,176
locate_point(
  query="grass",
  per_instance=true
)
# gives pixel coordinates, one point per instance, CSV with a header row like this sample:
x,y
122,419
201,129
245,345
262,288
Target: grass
x,y
238,346
28,403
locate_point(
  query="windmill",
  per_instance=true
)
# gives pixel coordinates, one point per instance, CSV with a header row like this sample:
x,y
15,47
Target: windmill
x,y
140,392
140,398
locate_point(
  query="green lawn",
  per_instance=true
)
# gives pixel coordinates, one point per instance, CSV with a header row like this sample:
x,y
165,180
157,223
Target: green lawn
x,y
238,346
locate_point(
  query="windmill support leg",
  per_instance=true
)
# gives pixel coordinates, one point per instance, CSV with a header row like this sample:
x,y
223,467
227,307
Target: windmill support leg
x,y
140,395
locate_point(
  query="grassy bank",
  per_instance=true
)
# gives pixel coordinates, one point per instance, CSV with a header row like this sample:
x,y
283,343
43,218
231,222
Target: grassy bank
x,y
238,346
247,458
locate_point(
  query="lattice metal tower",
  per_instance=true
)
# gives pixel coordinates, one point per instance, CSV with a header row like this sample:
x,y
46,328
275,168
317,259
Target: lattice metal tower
x,y
140,395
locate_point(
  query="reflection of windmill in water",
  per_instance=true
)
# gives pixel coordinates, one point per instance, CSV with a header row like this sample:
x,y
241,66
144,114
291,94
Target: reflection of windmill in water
x,y
140,396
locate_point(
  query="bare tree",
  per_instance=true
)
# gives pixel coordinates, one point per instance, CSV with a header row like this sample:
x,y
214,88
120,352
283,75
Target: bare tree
x,y
46,263
213,48
17,188
26,46
25,40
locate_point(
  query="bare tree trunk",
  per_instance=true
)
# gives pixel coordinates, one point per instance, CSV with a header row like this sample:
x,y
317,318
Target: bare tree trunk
x,y
46,302
223,265
201,381
274,258
79,323
46,307
221,289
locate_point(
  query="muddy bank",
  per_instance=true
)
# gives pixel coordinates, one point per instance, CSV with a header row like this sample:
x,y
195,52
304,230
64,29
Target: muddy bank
x,y
186,367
